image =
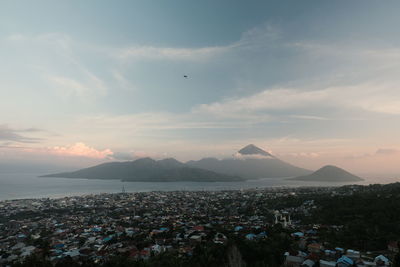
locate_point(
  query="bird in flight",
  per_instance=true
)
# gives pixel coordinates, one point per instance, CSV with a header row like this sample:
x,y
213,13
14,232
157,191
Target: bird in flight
x,y
185,76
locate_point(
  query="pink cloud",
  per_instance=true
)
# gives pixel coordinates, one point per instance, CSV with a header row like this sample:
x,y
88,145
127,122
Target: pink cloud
x,y
81,150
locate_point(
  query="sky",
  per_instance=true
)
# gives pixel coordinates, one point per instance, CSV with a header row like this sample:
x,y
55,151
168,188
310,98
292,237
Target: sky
x,y
313,82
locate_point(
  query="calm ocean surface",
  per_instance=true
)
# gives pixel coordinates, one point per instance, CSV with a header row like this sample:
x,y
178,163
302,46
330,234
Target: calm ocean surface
x,y
15,186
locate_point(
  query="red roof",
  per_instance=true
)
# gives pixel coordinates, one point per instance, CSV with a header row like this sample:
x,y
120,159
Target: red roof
x,y
144,252
133,253
313,256
198,228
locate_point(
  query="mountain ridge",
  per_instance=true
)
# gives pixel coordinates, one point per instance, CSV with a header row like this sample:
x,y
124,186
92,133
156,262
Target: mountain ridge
x,y
329,173
147,170
253,163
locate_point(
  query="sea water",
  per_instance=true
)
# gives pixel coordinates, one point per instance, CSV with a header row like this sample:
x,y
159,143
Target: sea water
x,y
23,185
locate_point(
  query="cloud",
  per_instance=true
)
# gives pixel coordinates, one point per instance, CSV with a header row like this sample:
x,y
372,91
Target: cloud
x,y
384,55
387,151
303,154
70,86
122,156
308,117
8,134
146,154
78,70
262,35
15,37
379,153
162,121
84,91
122,81
78,154
342,76
62,63
170,53
238,155
366,96
80,150
269,99
31,130
259,37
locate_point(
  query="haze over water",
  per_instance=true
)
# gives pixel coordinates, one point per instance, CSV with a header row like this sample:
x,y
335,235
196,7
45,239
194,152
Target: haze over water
x,y
17,186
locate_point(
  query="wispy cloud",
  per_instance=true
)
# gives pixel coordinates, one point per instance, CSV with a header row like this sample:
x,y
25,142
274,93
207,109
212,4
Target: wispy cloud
x,y
62,66
123,156
309,117
360,81
387,151
169,53
31,130
161,121
9,134
86,91
122,80
367,96
254,38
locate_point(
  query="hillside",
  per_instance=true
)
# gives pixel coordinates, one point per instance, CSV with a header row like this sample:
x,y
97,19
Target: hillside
x,y
147,170
330,173
250,162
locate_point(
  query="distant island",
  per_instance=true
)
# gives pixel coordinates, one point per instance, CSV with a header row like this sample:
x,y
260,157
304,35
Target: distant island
x,y
148,170
250,162
329,173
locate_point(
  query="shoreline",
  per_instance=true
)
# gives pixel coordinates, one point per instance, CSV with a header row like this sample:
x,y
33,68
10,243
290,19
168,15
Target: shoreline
x,y
271,189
